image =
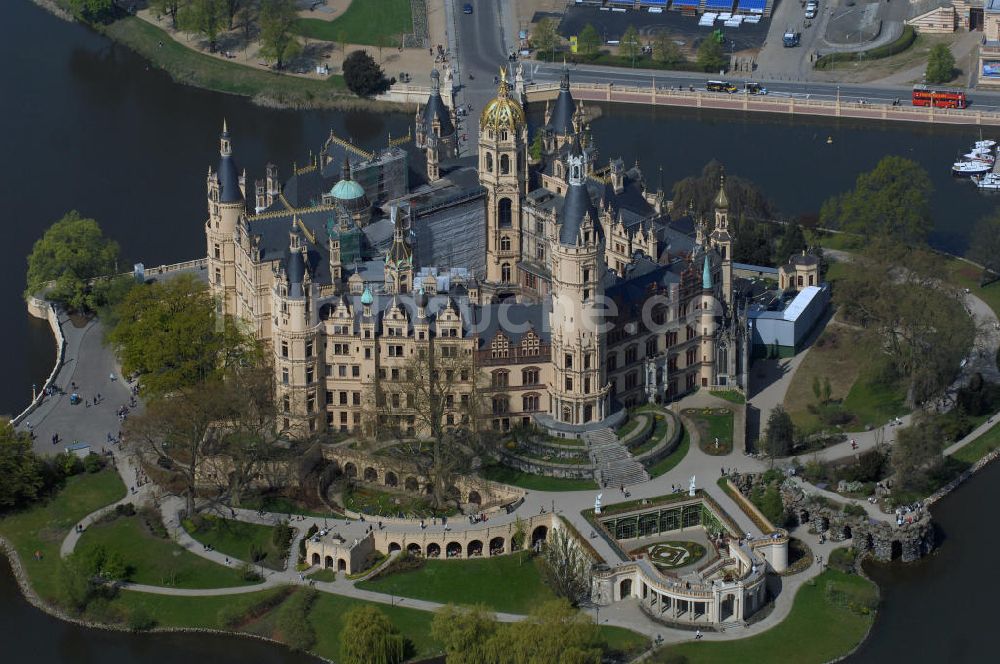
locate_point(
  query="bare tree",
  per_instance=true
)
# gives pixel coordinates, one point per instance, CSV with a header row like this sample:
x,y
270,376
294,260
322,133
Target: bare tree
x,y
567,566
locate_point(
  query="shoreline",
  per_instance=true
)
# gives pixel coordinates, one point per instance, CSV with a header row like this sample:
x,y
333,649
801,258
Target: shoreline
x,y
29,594
261,88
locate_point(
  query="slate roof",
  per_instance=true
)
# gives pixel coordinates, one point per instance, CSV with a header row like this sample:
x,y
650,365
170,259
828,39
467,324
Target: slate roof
x,y
561,118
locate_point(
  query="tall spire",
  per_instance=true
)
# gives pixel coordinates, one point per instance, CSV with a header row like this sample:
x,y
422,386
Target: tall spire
x,y
706,276
721,200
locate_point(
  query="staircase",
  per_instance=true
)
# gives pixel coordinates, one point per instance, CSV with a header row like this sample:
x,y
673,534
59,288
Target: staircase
x,y
615,466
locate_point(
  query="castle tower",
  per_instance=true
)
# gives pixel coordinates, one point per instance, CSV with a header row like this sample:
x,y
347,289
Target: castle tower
x,y
399,259
226,205
435,129
706,323
559,119
579,390
722,241
433,159
503,172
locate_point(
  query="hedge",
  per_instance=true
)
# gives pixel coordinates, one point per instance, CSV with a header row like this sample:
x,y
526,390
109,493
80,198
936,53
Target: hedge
x,y
904,42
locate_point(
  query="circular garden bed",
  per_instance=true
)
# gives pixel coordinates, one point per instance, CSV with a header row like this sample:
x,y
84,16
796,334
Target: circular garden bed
x,y
673,554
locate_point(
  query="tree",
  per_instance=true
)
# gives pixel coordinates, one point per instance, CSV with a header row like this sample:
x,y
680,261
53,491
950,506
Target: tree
x,y
76,259
537,145
588,41
545,37
464,632
696,196
369,637
711,56
780,433
204,17
363,76
917,452
985,247
791,243
567,566
21,470
940,64
277,42
92,10
233,7
893,200
433,408
167,8
630,46
169,333
553,632
176,432
665,49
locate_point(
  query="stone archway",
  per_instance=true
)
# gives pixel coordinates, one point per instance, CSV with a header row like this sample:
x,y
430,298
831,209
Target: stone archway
x,y
433,550
625,588
315,559
726,608
391,479
496,546
413,549
474,498
474,549
411,484
350,470
848,533
371,475
453,550
896,551
394,546
341,565
328,562
538,536
803,516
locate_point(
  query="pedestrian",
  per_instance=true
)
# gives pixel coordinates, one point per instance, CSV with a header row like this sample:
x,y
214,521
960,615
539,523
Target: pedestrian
x,y
697,635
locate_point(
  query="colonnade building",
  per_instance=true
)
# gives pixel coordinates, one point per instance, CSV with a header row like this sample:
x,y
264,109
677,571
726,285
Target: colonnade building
x,y
556,288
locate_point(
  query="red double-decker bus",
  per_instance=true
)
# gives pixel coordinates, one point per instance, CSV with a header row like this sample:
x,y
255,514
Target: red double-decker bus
x,y
938,97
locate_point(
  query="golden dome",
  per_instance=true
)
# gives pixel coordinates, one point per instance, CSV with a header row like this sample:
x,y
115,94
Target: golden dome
x,y
502,112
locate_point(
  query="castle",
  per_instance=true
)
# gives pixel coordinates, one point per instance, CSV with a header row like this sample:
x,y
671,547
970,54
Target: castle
x,y
556,289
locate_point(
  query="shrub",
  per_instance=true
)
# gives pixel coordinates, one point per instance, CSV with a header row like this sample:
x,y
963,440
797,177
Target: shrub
x,y
153,521
904,42
293,623
850,509
313,529
842,559
363,76
93,463
247,572
233,616
282,535
140,620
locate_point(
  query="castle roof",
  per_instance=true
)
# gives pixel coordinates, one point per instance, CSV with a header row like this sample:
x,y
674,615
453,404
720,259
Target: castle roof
x,y
561,119
576,206
436,108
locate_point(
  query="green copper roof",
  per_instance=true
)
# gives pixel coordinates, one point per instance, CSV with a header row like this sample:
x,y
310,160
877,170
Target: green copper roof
x,y
366,297
706,276
347,190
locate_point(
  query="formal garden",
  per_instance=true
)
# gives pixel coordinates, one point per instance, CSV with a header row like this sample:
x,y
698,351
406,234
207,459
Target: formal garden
x,y
714,427
672,554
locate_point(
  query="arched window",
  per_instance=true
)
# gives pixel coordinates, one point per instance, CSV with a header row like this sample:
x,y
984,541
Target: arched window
x,y
505,273
504,217
529,402
576,172
504,243
499,378
504,164
500,405
489,162
529,376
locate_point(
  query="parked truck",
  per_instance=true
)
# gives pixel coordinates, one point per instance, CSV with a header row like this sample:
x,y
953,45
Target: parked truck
x,y
791,39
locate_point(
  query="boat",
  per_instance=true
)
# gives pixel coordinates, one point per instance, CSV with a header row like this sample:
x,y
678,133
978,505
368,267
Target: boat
x,y
986,144
987,181
979,156
975,167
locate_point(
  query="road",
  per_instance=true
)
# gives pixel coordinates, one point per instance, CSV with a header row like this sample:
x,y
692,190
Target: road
x,y
542,72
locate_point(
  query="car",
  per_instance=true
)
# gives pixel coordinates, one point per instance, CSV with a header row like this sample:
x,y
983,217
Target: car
x,y
467,8
791,39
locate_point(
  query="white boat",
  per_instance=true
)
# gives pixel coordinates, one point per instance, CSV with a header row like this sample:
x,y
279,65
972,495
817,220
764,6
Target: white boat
x,y
979,156
970,167
988,181
986,144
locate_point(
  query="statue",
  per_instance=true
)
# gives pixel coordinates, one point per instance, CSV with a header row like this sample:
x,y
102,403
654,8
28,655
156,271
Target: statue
x,y
597,503
691,486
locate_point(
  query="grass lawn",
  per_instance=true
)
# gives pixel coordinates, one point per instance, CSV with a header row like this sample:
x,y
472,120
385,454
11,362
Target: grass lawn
x,y
327,617
237,539
364,22
44,526
324,575
817,630
668,462
712,426
177,611
874,403
623,640
515,477
188,66
156,561
655,438
732,396
964,275
510,584
980,447
384,503
285,505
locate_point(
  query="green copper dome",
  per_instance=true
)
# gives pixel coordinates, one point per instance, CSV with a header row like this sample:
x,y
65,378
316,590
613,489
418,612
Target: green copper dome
x,y
366,297
347,190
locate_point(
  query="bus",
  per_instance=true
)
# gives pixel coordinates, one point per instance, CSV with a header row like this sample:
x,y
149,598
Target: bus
x,y
938,97
721,86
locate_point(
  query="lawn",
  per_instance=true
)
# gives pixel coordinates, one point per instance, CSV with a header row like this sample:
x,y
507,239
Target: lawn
x,y
43,527
667,463
154,560
623,640
509,584
188,66
712,426
384,503
285,505
238,539
515,477
364,22
980,447
732,396
323,576
186,611
327,617
655,438
817,629
965,275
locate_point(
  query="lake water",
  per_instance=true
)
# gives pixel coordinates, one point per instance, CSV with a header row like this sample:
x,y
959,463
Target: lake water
x,y
88,125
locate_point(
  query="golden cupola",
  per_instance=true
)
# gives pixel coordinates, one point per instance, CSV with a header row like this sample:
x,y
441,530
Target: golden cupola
x,y
502,112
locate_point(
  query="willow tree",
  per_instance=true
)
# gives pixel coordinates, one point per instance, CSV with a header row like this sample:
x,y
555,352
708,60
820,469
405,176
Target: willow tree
x,y
369,637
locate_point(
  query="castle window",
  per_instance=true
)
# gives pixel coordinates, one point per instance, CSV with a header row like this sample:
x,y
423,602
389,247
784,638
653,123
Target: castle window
x,y
569,383
284,349
309,349
576,172
651,347
568,361
500,405
530,344
218,252
630,354
499,378
504,217
612,362
529,376
505,273
529,402
285,405
504,243
218,277
504,164
311,402
448,351
310,374
540,251
800,280
586,384
500,346
489,162
284,376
